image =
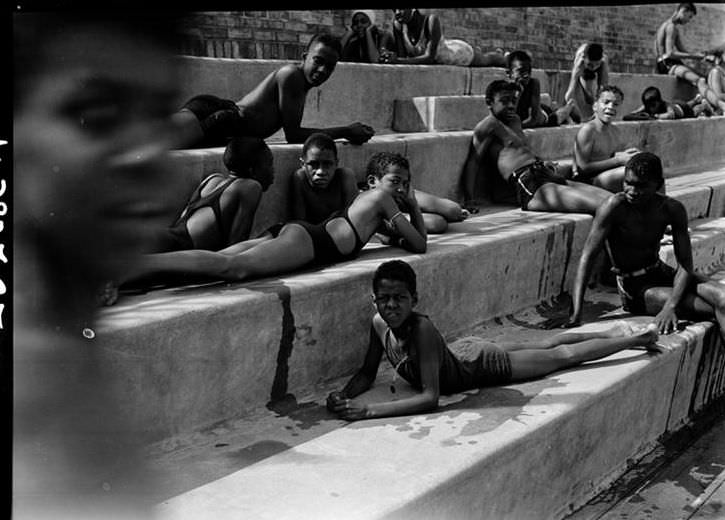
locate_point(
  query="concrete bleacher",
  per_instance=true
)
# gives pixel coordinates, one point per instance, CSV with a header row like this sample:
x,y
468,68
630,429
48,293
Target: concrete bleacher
x,y
199,363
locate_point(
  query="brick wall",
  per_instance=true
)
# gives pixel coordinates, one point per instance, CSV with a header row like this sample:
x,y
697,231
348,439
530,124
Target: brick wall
x,y
549,33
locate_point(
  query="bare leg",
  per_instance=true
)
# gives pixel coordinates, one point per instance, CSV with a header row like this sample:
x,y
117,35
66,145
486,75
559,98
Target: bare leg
x,y
610,180
707,300
710,95
529,364
686,73
574,197
488,59
619,330
434,223
451,211
471,170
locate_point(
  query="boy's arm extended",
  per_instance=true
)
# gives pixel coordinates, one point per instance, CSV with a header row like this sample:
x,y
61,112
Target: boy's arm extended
x,y
292,95
597,234
349,186
666,319
424,335
412,234
483,135
532,120
583,146
576,73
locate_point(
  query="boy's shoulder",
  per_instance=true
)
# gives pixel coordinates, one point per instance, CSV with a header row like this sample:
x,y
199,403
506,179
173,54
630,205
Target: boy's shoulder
x,y
290,71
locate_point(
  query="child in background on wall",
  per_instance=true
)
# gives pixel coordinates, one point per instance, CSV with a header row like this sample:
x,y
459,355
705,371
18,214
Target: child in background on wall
x,y
364,41
530,109
320,187
419,40
654,107
419,354
589,73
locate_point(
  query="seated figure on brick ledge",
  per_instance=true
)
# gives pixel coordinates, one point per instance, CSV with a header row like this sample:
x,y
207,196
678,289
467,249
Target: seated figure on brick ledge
x,y
278,102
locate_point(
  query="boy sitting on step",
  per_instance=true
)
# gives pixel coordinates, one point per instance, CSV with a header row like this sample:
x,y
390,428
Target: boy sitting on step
x,y
320,188
419,353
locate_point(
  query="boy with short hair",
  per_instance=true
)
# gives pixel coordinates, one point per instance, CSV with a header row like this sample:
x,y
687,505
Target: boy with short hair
x,y
599,153
632,223
530,109
499,143
590,72
419,353
277,102
319,187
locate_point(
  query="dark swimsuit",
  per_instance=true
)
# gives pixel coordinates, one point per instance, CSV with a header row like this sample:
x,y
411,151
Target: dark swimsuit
x,y
220,119
177,236
665,64
325,249
527,179
632,286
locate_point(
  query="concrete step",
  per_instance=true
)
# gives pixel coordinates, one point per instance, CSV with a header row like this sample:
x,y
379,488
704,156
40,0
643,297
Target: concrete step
x,y
436,159
366,92
534,450
196,355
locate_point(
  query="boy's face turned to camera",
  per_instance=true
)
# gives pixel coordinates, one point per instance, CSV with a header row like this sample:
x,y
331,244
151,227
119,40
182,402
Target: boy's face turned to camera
x,y
394,301
320,166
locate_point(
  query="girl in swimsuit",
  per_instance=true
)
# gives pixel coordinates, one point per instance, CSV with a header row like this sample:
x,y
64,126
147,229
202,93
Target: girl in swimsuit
x,y
296,246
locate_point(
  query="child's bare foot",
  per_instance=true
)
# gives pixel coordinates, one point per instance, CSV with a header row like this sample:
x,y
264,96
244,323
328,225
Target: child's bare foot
x,y
470,206
649,337
108,294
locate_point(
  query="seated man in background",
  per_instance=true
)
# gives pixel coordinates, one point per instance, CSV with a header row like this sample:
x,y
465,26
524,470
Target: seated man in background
x,y
277,102
499,140
599,152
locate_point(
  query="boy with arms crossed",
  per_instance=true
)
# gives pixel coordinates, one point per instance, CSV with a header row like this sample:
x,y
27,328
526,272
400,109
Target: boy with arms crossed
x,y
277,102
499,140
631,224
420,355
596,157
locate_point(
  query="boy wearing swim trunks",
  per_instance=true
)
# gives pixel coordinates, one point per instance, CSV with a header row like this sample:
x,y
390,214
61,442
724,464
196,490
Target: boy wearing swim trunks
x,y
277,102
631,224
499,145
654,107
419,354
599,152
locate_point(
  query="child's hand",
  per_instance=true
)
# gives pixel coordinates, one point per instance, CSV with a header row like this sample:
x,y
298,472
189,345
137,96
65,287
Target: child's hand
x,y
334,399
358,133
623,157
351,410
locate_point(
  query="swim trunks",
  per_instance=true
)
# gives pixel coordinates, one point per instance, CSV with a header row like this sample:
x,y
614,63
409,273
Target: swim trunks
x,y
177,237
632,286
683,110
664,65
220,119
529,178
325,249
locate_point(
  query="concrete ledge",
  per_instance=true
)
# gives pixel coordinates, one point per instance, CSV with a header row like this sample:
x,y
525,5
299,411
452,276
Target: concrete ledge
x,y
533,450
438,113
366,92
198,355
437,158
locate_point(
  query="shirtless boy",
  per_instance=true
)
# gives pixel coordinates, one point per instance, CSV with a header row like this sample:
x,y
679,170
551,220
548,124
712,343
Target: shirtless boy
x,y
599,154
654,107
277,102
540,186
419,354
320,188
530,110
632,223
298,244
590,72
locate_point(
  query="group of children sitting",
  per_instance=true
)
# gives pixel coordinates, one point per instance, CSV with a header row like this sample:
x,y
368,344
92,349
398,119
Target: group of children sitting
x,y
333,217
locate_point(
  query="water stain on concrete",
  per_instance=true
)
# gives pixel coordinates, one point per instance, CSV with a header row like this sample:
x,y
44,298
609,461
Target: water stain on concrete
x,y
256,452
286,343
